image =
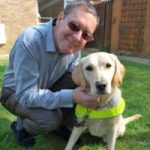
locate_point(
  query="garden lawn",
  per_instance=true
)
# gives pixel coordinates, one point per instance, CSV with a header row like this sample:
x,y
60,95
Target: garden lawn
x,y
136,92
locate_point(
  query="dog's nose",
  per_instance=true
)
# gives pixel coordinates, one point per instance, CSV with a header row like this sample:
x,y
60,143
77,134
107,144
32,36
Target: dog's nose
x,y
100,85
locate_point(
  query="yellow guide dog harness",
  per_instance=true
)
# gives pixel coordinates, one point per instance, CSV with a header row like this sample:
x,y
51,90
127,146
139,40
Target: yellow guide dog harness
x,y
82,112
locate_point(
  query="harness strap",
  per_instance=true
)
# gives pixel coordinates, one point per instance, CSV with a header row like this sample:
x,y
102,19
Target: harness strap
x,y
100,113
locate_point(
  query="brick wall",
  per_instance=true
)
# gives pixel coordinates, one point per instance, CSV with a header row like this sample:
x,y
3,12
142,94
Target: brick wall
x,y
16,15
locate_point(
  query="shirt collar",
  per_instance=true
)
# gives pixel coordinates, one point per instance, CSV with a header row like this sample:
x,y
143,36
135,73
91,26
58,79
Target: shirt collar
x,y
50,44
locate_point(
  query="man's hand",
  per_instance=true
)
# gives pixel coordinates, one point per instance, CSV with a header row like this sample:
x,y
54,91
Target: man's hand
x,y
85,100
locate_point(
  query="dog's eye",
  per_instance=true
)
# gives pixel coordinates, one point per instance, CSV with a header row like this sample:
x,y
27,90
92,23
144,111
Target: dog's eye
x,y
89,68
108,65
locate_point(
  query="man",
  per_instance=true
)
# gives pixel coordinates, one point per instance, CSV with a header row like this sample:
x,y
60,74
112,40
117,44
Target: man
x,y
37,85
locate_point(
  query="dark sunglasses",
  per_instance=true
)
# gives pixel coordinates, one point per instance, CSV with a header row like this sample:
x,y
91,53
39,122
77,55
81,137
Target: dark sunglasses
x,y
76,28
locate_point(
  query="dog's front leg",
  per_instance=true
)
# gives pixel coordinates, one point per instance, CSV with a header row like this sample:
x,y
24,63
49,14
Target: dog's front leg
x,y
76,132
112,138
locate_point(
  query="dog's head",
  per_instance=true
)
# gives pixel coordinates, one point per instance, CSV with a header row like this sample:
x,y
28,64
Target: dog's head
x,y
99,72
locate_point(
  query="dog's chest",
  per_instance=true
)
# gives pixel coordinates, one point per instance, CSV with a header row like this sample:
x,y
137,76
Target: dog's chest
x,y
100,127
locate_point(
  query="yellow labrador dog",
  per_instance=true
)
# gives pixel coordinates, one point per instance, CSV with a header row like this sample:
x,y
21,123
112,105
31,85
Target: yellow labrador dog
x,y
100,74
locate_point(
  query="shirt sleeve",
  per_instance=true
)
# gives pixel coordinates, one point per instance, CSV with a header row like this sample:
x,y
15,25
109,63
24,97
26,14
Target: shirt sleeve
x,y
26,69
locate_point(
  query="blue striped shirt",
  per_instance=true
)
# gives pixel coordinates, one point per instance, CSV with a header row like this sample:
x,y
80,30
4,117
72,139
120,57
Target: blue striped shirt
x,y
34,66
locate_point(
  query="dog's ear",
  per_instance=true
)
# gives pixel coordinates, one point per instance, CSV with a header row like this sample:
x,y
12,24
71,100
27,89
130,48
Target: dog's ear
x,y
78,77
119,71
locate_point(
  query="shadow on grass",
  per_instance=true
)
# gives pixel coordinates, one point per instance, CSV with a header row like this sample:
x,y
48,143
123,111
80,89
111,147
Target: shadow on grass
x,y
5,131
88,140
43,142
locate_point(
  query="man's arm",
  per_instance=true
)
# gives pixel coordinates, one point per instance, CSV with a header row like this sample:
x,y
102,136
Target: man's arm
x,y
27,76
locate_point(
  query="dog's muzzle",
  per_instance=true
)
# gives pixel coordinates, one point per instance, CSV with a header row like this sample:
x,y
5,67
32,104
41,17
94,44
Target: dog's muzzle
x,y
101,86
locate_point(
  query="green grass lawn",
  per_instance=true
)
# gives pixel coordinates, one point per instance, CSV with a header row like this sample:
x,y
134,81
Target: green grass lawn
x,y
135,89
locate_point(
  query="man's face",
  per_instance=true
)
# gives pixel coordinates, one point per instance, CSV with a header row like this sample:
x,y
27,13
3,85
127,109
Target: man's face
x,y
73,31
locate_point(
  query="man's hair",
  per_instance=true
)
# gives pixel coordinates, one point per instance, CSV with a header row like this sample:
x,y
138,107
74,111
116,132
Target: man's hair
x,y
81,3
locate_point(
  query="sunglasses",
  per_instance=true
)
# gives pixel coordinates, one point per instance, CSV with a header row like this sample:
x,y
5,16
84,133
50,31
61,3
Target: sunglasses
x,y
76,28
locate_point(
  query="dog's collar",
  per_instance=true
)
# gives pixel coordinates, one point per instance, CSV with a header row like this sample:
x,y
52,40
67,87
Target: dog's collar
x,y
82,112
